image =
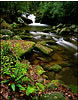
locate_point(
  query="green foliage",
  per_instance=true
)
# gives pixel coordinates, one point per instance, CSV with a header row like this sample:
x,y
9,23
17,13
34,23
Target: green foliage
x,y
55,82
40,70
13,87
74,88
40,86
56,68
20,87
29,90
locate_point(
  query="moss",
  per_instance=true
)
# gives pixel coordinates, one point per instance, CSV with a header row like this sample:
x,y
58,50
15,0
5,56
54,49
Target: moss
x,y
40,70
44,49
20,47
55,68
53,96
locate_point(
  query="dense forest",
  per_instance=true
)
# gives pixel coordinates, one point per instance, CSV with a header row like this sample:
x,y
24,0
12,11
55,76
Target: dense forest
x,y
47,12
39,53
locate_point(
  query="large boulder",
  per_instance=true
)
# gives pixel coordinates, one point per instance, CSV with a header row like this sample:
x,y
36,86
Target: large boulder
x,y
20,47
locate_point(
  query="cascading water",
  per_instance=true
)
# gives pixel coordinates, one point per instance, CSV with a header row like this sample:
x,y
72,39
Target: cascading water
x,y
33,18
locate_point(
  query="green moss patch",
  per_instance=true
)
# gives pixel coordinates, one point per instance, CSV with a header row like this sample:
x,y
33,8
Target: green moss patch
x,y
53,96
44,49
20,47
55,68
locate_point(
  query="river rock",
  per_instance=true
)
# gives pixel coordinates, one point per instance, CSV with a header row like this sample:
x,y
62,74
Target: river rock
x,y
52,96
60,25
6,32
20,47
44,49
5,37
24,37
65,31
26,20
46,30
16,37
55,68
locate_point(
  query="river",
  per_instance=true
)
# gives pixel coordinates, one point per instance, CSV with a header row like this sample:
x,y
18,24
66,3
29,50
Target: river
x,y
65,53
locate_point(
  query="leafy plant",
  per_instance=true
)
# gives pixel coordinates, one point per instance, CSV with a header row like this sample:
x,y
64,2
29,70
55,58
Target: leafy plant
x,y
40,86
29,90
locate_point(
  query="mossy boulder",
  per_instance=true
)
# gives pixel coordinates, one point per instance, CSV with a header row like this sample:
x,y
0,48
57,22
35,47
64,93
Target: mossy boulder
x,y
6,32
55,68
20,47
65,30
59,25
5,37
44,49
16,37
46,30
52,96
24,37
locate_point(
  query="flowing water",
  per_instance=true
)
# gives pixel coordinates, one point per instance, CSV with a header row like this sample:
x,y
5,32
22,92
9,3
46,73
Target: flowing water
x,y
65,53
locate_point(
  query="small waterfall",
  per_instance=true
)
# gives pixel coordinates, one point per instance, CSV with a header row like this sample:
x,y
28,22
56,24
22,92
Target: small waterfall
x,y
33,18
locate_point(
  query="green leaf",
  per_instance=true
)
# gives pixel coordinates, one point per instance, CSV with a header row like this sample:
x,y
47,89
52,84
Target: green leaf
x,y
41,86
13,87
5,81
30,89
19,77
20,87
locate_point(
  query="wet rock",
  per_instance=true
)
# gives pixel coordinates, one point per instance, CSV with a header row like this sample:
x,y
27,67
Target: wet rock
x,y
5,37
6,32
24,37
59,25
65,31
52,96
58,30
16,37
26,20
46,30
20,20
55,68
43,49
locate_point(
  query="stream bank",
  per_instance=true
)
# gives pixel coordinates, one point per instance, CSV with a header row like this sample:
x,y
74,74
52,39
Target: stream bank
x,y
39,41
